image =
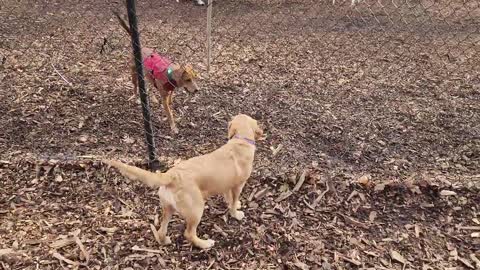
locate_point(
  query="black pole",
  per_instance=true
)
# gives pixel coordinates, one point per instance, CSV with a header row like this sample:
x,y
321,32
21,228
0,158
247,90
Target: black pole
x,y
153,164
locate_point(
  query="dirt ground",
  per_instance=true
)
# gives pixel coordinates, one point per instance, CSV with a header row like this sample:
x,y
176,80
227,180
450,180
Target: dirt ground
x,y
372,120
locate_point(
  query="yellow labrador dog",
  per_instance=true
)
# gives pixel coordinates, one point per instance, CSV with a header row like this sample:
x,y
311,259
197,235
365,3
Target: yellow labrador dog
x,y
185,187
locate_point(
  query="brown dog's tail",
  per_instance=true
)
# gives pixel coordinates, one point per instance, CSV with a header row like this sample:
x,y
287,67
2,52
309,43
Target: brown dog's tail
x,y
122,22
149,178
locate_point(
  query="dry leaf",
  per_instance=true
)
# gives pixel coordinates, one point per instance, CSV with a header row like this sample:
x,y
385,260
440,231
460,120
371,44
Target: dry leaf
x,y
379,187
364,179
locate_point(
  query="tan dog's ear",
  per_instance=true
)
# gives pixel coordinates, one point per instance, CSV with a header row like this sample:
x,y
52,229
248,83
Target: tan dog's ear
x,y
257,131
232,130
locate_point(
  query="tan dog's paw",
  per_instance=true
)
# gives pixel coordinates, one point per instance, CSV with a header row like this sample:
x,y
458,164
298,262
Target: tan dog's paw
x,y
238,215
238,204
204,244
174,130
166,241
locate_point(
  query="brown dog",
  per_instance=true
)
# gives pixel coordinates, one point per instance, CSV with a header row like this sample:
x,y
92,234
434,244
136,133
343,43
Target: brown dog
x,y
164,75
185,187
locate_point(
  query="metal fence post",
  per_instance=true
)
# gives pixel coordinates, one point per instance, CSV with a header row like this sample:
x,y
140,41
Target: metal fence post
x,y
153,163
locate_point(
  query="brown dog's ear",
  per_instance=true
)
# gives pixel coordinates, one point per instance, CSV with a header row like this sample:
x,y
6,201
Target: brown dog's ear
x,y
232,130
190,72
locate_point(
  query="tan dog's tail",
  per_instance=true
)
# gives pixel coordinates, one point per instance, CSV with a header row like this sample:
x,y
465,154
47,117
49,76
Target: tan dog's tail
x,y
149,178
122,23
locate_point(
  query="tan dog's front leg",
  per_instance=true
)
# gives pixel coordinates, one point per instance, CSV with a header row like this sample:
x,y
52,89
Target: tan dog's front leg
x,y
229,200
235,202
169,112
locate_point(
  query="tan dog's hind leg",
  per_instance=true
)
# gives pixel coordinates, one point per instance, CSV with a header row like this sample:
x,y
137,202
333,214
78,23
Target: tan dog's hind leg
x,y
169,112
166,217
191,206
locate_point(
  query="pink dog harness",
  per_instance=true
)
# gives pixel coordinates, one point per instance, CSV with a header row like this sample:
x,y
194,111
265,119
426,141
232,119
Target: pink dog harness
x,y
158,67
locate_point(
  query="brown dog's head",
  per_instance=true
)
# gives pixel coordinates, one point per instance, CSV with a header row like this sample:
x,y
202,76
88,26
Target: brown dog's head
x,y
186,78
243,124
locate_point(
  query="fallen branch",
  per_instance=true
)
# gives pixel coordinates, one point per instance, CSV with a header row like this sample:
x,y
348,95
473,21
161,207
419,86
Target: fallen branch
x,y
317,200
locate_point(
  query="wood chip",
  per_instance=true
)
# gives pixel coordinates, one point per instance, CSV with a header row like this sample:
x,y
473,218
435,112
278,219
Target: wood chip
x,y
354,222
219,230
317,200
466,263
300,181
379,187
283,196
82,248
372,216
155,234
469,228
475,235
417,231
475,260
60,257
397,257
301,265
261,193
447,193
62,243
108,230
276,150
6,251
352,261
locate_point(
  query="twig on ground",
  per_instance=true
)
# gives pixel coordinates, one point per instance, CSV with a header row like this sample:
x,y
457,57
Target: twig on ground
x,y
60,257
135,248
317,200
61,76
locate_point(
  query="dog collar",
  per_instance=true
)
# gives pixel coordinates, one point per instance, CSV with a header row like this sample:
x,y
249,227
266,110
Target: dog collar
x,y
252,142
171,80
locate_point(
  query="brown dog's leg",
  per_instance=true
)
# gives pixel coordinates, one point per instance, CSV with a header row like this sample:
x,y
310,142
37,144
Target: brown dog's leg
x,y
166,217
169,112
170,99
134,80
236,202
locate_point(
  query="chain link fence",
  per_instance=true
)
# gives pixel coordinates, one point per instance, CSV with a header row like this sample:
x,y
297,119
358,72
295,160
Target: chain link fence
x,y
283,44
